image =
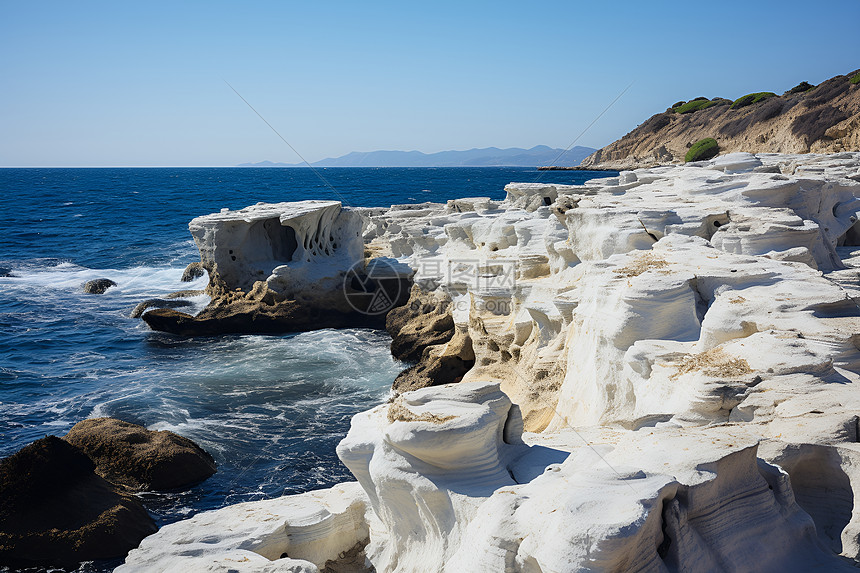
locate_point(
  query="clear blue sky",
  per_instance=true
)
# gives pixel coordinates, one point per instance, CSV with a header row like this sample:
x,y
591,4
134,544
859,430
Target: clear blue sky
x,y
121,83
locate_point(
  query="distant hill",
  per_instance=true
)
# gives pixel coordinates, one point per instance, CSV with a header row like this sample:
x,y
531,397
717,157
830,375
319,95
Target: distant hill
x,y
486,157
805,119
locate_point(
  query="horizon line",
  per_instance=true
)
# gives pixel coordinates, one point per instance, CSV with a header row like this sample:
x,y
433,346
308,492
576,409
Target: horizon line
x,y
274,166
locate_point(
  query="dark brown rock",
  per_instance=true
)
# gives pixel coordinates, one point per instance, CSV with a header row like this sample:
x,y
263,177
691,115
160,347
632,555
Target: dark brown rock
x,y
287,316
263,311
141,459
98,286
56,511
423,321
184,293
193,271
138,311
436,368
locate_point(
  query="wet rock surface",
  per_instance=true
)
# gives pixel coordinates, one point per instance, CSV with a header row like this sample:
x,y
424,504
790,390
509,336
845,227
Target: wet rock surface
x,y
56,511
193,271
142,307
98,286
141,459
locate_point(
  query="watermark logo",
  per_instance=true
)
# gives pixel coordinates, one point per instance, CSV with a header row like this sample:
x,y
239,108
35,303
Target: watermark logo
x,y
467,274
375,288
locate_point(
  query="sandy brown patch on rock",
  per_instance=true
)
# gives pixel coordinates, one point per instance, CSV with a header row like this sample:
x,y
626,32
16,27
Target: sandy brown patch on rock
x,y
398,412
714,362
643,263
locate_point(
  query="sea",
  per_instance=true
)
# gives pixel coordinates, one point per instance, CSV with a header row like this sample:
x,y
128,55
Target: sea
x,y
270,409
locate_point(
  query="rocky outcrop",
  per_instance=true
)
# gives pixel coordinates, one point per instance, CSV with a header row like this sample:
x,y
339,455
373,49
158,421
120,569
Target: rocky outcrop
x,y
820,119
425,320
56,511
680,346
140,459
142,307
193,271
98,286
286,267
423,331
445,483
296,534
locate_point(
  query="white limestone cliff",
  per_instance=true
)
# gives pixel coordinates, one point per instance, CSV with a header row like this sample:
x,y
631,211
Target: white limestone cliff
x,y
291,246
680,345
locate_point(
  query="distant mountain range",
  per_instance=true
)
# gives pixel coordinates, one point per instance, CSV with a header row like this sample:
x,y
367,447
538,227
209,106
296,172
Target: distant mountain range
x,y
537,156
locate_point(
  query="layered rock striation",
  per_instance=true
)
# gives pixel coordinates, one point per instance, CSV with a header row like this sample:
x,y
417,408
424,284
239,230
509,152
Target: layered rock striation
x,y
652,372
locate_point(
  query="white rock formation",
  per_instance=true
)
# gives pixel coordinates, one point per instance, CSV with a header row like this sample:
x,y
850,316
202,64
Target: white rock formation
x,y
291,246
681,344
295,534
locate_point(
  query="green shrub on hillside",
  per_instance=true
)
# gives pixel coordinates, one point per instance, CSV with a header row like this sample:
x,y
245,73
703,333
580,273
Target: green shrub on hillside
x,y
751,99
702,149
694,105
856,79
800,88
699,103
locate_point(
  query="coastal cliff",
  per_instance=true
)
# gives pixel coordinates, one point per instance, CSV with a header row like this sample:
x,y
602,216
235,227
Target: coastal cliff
x,y
657,371
806,119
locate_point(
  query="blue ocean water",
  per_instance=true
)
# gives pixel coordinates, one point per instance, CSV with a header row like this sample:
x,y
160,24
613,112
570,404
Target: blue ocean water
x,y
270,409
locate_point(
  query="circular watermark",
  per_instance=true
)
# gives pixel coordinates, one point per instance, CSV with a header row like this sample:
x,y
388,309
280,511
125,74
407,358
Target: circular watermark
x,y
373,288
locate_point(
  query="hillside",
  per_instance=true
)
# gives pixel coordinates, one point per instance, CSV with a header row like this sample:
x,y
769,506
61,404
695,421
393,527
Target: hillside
x,y
806,119
485,157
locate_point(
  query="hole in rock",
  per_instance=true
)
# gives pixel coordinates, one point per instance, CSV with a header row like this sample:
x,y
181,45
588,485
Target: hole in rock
x,y
547,201
282,240
851,237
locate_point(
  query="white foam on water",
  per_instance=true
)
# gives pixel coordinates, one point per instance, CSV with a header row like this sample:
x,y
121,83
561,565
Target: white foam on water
x,y
136,281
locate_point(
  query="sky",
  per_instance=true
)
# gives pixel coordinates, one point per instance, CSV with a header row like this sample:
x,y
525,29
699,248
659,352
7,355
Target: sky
x,y
144,83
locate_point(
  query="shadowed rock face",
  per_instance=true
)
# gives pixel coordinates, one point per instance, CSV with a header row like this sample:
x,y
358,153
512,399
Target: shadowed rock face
x,y
56,510
423,331
424,321
138,458
825,119
193,271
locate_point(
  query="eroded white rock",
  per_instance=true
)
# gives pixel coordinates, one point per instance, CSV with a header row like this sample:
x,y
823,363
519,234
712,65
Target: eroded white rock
x,y
295,534
681,342
292,246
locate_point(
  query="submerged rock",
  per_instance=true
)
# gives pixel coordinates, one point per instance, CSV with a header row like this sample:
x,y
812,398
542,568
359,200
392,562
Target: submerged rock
x,y
141,459
98,286
56,511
